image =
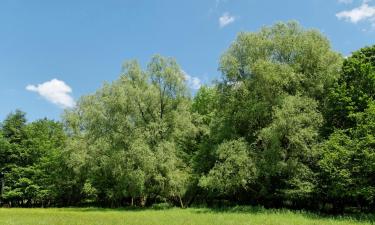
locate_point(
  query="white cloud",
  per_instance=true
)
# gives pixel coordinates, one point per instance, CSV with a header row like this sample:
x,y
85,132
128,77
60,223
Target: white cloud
x,y
193,82
345,1
55,91
361,13
226,19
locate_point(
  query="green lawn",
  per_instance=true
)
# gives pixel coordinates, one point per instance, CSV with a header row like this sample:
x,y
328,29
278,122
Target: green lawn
x,y
94,216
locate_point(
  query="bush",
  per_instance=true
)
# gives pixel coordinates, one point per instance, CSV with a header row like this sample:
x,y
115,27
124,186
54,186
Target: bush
x,y
161,206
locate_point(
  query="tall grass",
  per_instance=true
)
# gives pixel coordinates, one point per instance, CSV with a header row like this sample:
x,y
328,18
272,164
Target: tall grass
x,y
174,216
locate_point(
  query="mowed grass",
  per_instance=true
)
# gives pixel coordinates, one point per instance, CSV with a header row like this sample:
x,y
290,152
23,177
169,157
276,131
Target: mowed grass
x,y
192,216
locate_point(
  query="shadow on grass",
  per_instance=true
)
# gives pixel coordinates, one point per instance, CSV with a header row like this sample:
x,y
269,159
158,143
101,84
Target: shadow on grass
x,y
98,209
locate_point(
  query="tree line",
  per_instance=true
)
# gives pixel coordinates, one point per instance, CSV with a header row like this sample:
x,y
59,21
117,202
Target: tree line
x,y
290,123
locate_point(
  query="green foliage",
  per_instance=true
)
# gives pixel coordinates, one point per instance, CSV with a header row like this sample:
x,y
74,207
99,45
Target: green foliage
x,y
274,82
137,130
347,157
353,91
303,57
260,69
161,206
289,124
233,171
286,144
12,127
348,161
30,157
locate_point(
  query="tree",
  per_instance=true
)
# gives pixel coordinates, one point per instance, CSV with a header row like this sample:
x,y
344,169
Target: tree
x,y
44,144
287,126
353,91
205,107
274,84
259,69
131,123
347,162
305,56
31,154
12,127
13,133
287,156
234,170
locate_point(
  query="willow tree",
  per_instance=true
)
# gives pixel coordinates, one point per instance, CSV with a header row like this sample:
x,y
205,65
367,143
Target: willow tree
x,y
274,83
135,129
261,68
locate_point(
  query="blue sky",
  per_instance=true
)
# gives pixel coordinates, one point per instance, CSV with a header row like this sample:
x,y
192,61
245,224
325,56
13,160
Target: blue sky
x,y
53,52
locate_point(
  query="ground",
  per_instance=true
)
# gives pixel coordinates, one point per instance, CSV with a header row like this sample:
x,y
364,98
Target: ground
x,y
193,216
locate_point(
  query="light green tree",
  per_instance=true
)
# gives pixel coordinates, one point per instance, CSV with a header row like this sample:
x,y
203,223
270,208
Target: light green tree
x,y
137,129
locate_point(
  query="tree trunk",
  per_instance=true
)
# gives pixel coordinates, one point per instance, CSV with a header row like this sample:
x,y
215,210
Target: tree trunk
x,y
181,203
143,201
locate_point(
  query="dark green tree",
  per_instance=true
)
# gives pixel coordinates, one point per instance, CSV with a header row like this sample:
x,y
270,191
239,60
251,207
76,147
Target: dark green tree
x,y
347,157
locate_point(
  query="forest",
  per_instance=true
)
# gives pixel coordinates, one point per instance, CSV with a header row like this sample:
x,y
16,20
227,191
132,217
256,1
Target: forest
x,y
289,124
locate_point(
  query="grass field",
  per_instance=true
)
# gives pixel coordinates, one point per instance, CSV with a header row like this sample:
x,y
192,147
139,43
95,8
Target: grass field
x,y
95,216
